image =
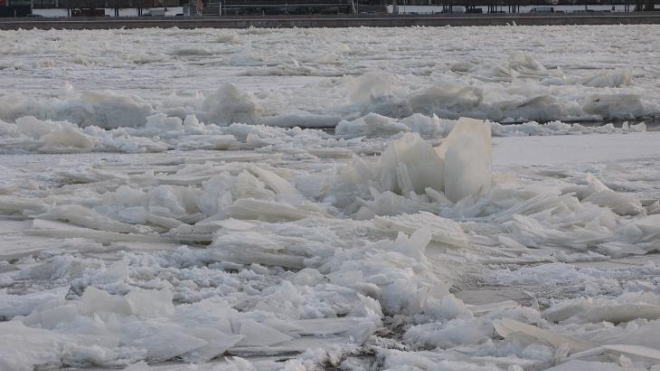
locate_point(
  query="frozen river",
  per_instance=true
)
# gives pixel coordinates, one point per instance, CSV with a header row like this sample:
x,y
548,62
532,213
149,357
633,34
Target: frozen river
x,y
168,201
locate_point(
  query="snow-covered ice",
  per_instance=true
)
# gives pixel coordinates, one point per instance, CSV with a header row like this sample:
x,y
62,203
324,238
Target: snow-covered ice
x,y
308,199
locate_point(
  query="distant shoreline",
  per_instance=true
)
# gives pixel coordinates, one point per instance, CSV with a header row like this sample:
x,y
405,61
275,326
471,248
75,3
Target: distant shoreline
x,y
237,22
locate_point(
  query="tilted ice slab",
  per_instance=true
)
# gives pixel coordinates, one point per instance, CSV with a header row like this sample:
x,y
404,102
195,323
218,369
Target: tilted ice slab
x,y
506,327
466,153
460,166
625,308
442,230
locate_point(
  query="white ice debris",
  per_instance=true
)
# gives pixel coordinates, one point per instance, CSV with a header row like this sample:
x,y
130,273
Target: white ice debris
x,y
620,203
611,79
186,205
162,132
624,308
632,351
614,106
228,105
507,327
446,101
466,154
460,166
407,165
442,230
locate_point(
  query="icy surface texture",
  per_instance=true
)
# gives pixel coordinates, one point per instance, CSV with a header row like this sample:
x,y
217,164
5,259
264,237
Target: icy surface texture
x,y
164,211
466,154
460,166
133,93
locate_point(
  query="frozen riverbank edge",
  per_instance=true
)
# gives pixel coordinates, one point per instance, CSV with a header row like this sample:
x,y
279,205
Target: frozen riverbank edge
x,y
552,19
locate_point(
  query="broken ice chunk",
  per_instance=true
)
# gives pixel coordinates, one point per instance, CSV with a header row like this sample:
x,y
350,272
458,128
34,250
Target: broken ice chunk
x,y
407,165
610,106
649,227
82,216
617,249
166,343
228,105
621,204
24,348
278,184
466,153
150,303
26,206
257,334
210,142
442,230
460,166
218,343
69,138
50,229
618,313
505,327
636,351
611,79
415,245
246,239
271,211
95,301
22,305
50,318
332,326
446,100
566,310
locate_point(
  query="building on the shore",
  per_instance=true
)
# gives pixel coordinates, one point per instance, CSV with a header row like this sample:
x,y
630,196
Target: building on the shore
x,y
337,7
93,4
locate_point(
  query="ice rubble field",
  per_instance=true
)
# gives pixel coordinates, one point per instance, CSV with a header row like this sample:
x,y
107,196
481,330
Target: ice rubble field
x,y
161,210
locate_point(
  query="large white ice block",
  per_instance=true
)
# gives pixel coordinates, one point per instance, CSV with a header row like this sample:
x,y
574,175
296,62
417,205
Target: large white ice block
x,y
467,153
408,164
